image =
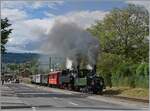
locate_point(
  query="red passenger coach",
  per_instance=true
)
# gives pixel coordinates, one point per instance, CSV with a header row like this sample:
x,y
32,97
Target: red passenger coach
x,y
53,78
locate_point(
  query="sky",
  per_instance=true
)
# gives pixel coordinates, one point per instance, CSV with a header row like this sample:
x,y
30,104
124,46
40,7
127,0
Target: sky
x,y
31,20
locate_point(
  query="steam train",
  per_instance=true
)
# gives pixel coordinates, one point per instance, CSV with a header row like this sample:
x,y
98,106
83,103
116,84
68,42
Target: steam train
x,y
78,80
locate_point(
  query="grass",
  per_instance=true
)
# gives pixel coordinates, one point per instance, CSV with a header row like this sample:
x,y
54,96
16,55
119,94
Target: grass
x,y
138,93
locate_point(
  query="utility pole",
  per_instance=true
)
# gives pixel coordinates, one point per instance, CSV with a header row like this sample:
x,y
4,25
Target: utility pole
x,y
19,70
50,62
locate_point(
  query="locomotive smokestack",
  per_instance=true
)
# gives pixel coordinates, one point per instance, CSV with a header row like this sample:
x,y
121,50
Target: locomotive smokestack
x,y
68,63
78,68
94,69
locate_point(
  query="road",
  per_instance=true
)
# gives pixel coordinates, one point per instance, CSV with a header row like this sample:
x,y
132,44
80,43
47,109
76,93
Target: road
x,y
33,98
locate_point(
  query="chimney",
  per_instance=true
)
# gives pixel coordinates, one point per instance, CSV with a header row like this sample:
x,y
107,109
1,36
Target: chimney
x,y
94,69
78,68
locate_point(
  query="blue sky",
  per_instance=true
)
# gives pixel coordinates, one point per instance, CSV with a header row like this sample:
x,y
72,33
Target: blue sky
x,y
32,20
69,6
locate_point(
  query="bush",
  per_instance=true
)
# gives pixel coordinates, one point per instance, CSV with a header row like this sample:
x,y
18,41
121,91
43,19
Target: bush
x,y
106,64
123,75
118,71
131,75
142,76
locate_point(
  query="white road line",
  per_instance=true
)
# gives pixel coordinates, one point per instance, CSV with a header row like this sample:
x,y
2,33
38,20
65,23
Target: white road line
x,y
73,103
31,93
33,109
55,97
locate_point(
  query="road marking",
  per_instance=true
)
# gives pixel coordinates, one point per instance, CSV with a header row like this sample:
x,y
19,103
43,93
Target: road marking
x,y
73,103
33,109
32,93
55,97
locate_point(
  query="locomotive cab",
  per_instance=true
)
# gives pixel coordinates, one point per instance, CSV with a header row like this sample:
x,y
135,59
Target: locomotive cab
x,y
97,84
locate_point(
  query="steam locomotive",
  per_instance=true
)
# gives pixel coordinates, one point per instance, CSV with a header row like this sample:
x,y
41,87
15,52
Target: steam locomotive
x,y
78,80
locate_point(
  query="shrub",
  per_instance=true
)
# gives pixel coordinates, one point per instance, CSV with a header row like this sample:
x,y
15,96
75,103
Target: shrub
x,y
142,76
132,75
123,75
121,72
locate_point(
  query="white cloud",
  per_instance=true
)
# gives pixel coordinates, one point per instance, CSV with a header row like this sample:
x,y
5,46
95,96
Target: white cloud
x,y
37,5
19,34
50,4
39,27
30,4
34,30
49,15
13,14
28,31
13,4
83,18
54,3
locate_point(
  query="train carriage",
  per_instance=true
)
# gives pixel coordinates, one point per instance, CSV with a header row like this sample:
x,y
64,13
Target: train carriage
x,y
53,79
44,79
33,79
38,78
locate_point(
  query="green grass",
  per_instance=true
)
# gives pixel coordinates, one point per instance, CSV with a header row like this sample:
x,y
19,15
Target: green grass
x,y
139,93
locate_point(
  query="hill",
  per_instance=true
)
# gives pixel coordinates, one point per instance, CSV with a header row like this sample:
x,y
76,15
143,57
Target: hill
x,y
18,57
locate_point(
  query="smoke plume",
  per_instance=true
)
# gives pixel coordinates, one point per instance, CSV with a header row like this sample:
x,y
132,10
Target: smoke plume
x,y
70,41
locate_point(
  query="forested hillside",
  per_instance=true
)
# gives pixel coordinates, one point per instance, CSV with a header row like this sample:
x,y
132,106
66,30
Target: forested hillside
x,y
18,57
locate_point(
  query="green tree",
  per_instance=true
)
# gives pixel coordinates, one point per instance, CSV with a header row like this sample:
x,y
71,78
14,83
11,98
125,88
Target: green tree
x,y
33,66
124,45
12,67
107,63
124,32
5,31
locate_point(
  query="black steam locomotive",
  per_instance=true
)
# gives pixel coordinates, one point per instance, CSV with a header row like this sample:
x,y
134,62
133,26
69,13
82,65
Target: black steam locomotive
x,y
78,80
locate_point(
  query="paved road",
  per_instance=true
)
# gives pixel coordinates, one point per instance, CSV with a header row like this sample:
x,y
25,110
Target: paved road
x,y
28,97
